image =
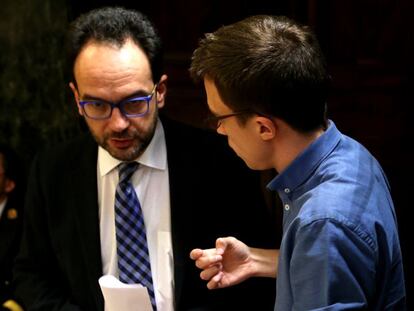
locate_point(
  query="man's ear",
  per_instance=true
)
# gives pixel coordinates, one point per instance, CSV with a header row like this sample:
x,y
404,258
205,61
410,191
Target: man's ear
x,y
76,96
161,91
266,128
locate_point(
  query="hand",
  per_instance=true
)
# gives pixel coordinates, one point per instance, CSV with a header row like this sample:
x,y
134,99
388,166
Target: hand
x,y
226,265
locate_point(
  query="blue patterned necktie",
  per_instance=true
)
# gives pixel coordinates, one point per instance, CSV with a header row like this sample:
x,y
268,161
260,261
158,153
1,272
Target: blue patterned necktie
x,y
133,258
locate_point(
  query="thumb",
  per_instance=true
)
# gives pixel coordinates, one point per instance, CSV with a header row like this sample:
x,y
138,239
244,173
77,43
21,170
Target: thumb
x,y
221,245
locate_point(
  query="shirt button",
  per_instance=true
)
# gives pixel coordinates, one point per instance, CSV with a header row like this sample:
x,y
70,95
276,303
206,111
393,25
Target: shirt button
x,y
287,207
287,190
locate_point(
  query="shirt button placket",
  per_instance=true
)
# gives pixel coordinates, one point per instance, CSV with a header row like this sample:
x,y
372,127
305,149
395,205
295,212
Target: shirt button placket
x,y
286,205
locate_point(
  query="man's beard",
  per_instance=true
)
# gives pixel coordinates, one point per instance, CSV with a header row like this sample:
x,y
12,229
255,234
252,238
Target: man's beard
x,y
141,141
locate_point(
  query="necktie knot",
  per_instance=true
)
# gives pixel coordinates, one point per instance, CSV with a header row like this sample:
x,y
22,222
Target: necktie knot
x,y
126,169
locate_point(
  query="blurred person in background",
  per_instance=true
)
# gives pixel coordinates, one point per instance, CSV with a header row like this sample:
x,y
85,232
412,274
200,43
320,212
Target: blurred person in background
x,y
11,220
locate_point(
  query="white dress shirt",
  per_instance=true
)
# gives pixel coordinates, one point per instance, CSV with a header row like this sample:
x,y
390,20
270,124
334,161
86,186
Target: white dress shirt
x,y
151,184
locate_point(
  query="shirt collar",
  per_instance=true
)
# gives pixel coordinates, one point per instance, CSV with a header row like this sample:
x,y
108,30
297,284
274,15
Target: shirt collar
x,y
154,156
305,164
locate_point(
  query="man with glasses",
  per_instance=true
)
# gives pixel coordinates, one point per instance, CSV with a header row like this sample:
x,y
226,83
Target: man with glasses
x,y
266,83
132,202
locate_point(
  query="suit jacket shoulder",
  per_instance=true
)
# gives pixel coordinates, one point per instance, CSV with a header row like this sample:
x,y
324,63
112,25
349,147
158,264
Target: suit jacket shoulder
x,y
59,260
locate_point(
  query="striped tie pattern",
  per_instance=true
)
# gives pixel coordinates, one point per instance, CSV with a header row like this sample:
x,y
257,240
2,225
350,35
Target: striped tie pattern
x,y
133,258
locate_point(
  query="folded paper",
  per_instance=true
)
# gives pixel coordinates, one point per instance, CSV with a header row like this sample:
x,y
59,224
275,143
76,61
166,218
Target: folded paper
x,y
121,296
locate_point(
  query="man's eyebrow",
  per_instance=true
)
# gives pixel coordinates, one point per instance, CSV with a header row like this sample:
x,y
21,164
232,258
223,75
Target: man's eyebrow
x,y
86,96
139,93
214,113
211,112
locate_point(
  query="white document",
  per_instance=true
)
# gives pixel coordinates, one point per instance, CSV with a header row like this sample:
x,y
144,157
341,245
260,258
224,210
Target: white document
x,y
126,297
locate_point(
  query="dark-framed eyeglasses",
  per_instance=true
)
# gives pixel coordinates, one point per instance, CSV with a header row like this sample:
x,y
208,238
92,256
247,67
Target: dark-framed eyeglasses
x,y
215,121
133,107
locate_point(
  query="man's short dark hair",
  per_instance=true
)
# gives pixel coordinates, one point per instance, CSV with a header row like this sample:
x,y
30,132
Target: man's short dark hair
x,y
269,65
115,25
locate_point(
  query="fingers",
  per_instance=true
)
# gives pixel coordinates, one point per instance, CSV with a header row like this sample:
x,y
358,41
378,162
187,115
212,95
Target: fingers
x,y
205,258
223,243
215,281
206,261
210,272
196,253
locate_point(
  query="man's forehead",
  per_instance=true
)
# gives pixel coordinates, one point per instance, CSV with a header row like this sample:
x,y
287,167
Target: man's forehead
x,y
102,53
103,60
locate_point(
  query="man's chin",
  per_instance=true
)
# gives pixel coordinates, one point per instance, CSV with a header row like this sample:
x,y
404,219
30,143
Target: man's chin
x,y
124,154
124,148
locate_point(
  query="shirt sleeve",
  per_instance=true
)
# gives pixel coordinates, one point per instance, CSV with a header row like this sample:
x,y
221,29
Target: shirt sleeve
x,y
332,267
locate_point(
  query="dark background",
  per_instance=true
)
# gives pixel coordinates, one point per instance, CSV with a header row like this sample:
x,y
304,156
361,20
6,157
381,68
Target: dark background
x,y
368,45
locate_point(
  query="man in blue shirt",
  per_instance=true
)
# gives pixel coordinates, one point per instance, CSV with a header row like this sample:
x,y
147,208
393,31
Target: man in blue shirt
x,y
266,83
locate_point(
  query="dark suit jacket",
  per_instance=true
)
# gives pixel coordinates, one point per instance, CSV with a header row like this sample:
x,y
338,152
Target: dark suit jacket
x,y
212,194
10,232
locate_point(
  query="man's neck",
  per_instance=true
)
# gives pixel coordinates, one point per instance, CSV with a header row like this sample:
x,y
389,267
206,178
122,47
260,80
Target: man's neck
x,y
292,144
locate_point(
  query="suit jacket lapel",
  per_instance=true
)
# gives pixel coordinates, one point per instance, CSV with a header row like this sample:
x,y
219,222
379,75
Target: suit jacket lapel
x,y
84,199
176,199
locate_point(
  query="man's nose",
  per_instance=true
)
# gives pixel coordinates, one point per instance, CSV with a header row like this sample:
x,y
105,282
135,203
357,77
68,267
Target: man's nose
x,y
118,122
221,130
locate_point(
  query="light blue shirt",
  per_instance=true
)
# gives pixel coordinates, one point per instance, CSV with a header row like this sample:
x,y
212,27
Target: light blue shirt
x,y
340,248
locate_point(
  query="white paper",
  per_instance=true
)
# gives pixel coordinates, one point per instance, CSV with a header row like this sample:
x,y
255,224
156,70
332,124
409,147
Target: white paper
x,y
125,297
165,268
